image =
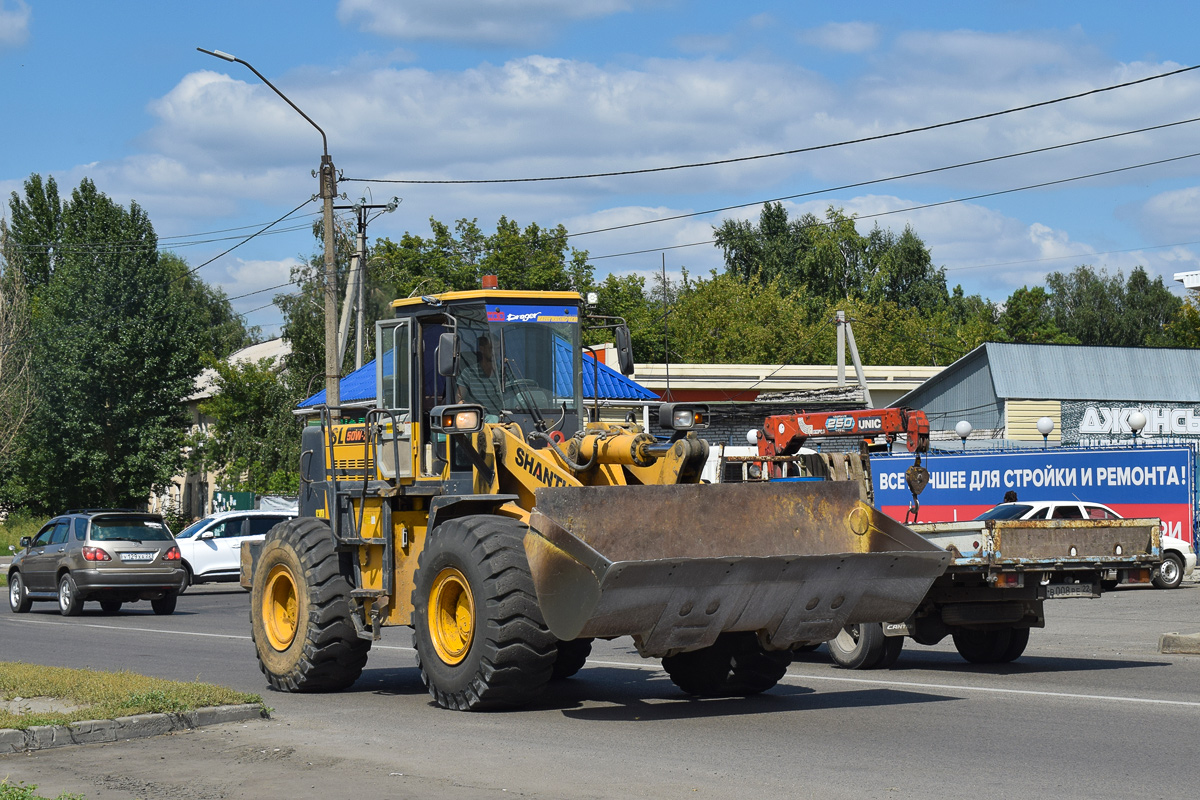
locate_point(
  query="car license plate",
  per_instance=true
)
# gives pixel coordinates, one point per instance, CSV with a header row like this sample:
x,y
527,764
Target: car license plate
x,y
137,556
1060,590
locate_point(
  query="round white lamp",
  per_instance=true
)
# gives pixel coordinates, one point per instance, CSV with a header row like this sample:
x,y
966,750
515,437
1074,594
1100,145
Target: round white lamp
x,y
963,429
1137,421
1045,426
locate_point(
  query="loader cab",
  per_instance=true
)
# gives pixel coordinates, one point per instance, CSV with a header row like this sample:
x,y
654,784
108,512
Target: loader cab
x,y
516,354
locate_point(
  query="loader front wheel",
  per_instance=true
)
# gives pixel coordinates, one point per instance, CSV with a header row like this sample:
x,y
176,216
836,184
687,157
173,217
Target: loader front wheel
x,y
479,634
859,646
300,611
734,666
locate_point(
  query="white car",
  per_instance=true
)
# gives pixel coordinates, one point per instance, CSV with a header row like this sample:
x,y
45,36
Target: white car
x,y
212,547
1179,559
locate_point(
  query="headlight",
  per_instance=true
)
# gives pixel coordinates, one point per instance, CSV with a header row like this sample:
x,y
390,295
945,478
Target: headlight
x,y
461,418
683,416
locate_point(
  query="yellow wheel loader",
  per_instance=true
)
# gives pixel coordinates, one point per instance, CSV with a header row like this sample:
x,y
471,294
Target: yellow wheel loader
x,y
481,504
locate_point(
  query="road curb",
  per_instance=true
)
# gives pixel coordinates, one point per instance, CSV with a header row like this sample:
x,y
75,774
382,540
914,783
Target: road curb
x,y
1185,643
139,726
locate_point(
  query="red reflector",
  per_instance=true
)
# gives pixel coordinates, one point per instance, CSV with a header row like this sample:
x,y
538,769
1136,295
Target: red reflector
x,y
1007,580
1137,576
172,554
95,554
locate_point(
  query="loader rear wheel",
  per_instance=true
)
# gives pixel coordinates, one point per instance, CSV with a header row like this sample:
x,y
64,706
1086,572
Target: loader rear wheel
x,y
985,647
859,646
480,638
571,657
300,611
735,665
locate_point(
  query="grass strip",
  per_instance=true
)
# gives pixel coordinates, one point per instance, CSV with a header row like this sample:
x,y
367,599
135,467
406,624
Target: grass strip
x,y
28,791
103,695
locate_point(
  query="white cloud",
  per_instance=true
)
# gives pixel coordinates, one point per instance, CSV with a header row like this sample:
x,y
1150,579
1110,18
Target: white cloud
x,y
14,22
1171,216
843,37
488,22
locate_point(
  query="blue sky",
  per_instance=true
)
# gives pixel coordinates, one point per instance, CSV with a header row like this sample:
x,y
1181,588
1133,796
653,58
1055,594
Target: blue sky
x,y
466,89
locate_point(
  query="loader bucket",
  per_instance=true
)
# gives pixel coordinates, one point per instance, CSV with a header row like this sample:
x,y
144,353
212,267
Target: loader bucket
x,y
676,566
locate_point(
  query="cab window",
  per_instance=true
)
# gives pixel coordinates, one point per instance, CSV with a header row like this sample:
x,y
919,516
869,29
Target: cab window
x,y
80,529
1067,512
43,537
1039,514
1099,512
226,529
61,530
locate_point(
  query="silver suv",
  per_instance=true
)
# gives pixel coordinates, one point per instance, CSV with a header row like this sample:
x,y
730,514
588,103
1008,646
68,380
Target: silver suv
x,y
114,557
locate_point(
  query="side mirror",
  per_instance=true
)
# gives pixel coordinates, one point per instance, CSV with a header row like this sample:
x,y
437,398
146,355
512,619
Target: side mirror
x,y
622,341
25,540
447,355
205,535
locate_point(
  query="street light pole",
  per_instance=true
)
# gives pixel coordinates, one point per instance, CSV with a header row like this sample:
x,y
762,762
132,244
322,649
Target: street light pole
x,y
328,184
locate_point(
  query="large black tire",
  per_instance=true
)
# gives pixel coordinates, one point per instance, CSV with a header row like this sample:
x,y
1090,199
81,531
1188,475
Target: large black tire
x,y
858,646
1017,642
1107,585
480,638
70,604
571,657
1170,573
188,578
985,647
110,606
18,595
733,666
300,611
892,647
164,605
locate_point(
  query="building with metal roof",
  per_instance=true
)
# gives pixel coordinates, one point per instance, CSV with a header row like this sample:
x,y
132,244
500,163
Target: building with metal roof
x,y
1088,392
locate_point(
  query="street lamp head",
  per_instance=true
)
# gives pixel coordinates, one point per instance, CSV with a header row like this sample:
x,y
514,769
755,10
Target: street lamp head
x,y
218,54
963,429
1137,421
1045,426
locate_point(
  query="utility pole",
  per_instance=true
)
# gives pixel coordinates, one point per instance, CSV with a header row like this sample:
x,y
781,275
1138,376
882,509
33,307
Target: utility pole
x,y
328,191
356,284
846,333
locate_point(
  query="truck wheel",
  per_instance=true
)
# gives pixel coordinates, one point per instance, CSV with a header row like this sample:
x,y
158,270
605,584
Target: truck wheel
x,y
733,666
70,604
858,646
479,634
984,647
571,657
18,595
892,647
300,611
1170,573
1016,645
110,606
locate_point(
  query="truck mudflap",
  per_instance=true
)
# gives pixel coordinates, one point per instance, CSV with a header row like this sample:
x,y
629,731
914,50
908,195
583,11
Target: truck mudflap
x,y
676,566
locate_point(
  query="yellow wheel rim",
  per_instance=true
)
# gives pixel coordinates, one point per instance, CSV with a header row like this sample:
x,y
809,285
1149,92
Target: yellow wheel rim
x,y
451,616
280,608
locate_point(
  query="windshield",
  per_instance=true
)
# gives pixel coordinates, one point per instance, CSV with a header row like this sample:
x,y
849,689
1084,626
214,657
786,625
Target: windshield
x,y
193,529
137,529
525,358
1006,511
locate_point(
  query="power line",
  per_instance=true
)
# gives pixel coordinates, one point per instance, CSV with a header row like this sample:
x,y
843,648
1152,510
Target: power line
x,y
794,151
923,206
1077,255
874,181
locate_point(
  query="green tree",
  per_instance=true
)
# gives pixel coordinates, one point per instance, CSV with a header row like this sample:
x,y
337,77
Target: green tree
x,y
1028,318
1101,309
115,355
254,441
31,244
